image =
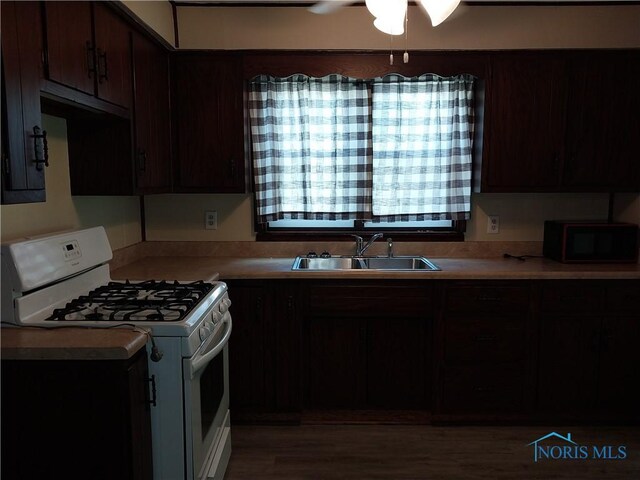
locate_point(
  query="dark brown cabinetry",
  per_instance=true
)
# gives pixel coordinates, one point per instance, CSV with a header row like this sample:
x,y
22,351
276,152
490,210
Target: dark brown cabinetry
x,y
24,149
208,120
524,122
88,416
264,352
110,155
152,119
483,350
589,332
89,50
603,126
562,121
366,346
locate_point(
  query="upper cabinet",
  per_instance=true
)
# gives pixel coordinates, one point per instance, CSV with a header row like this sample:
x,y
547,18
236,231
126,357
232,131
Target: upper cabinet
x,y
603,123
88,49
524,122
152,122
24,145
208,122
562,121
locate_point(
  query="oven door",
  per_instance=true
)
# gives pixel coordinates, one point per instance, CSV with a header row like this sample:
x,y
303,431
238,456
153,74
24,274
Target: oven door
x,y
206,401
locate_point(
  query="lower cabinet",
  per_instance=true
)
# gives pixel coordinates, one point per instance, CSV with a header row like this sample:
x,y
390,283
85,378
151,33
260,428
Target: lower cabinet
x,y
81,418
264,352
367,346
444,351
484,349
589,356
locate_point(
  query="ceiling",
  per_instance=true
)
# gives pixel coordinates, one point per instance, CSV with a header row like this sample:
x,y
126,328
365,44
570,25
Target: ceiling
x,y
280,3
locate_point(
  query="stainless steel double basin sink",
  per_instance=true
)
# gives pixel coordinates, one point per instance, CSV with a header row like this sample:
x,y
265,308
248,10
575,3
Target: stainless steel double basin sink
x,y
402,264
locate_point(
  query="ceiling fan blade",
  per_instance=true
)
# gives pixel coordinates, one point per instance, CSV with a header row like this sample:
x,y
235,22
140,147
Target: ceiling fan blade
x,y
329,6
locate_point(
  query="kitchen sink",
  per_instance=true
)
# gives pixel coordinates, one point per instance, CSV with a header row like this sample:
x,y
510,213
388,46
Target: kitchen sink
x,y
364,263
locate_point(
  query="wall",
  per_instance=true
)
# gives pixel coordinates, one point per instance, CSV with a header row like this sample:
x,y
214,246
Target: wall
x,y
471,27
119,215
181,217
157,14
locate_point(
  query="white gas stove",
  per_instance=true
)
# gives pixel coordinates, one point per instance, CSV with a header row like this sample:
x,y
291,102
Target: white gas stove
x,y
63,280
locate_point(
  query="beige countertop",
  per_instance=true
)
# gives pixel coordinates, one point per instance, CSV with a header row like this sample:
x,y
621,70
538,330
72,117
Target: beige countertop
x,y
70,343
169,268
204,268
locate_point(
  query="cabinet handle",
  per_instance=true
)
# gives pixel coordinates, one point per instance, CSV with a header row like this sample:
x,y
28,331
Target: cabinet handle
x,y
41,147
488,298
103,73
142,160
483,388
91,59
232,168
5,164
486,337
154,396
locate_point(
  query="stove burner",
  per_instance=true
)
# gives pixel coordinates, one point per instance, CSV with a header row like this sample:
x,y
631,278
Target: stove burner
x,y
150,301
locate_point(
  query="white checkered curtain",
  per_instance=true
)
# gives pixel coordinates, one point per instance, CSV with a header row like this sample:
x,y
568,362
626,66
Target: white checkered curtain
x,y
422,147
311,140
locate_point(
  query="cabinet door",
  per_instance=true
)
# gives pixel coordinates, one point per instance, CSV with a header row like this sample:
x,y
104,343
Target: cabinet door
x,y
524,123
248,348
568,363
619,376
398,365
151,116
208,121
603,128
113,56
335,363
22,152
70,48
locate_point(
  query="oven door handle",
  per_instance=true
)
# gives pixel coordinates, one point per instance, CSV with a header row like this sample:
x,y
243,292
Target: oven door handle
x,y
201,359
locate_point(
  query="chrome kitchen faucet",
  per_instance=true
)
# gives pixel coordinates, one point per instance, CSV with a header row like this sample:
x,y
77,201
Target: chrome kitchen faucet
x,y
362,247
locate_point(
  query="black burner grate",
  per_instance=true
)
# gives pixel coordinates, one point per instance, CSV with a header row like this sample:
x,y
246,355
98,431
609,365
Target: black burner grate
x,y
149,301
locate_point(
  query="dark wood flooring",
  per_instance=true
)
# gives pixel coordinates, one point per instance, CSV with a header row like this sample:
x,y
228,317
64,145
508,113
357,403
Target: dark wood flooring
x,y
422,452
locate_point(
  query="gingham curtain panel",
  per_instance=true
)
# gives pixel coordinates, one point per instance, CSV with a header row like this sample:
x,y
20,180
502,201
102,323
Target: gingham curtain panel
x,y
337,148
422,147
311,147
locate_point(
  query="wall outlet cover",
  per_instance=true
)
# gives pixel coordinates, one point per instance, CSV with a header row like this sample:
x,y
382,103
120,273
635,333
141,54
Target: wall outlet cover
x,y
211,220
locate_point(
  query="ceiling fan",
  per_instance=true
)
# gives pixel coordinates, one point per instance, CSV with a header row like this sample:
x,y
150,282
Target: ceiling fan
x,y
391,14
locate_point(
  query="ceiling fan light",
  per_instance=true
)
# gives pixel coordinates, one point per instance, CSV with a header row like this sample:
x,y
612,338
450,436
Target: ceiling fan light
x,y
390,26
387,8
439,10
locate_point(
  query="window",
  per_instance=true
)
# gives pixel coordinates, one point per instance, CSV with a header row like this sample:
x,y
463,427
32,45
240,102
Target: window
x,y
358,154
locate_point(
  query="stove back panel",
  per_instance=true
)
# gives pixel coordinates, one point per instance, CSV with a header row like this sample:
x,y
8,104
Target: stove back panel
x,y
37,262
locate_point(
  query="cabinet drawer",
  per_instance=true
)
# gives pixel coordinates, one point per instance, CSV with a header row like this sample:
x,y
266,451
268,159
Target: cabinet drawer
x,y
484,339
487,299
572,298
364,300
624,297
477,389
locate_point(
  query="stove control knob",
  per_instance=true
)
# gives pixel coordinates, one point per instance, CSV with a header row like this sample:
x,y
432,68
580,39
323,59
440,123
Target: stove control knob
x,y
216,317
204,333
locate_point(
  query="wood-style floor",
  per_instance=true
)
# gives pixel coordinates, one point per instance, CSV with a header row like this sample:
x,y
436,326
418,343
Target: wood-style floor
x,y
420,452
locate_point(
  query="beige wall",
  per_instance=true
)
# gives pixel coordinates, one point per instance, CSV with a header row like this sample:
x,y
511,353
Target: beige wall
x,y
119,215
181,217
157,14
471,27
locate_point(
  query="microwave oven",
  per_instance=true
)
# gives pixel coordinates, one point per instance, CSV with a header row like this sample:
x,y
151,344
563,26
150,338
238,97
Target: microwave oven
x,y
590,242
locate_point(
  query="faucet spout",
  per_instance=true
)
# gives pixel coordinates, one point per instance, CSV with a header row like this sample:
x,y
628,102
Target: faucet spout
x,y
369,243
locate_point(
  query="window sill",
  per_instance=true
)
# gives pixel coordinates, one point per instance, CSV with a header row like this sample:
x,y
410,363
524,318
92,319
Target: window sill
x,y
316,236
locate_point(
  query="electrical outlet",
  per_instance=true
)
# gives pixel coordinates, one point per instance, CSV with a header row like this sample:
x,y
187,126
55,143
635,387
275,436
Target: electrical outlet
x,y
493,224
210,220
